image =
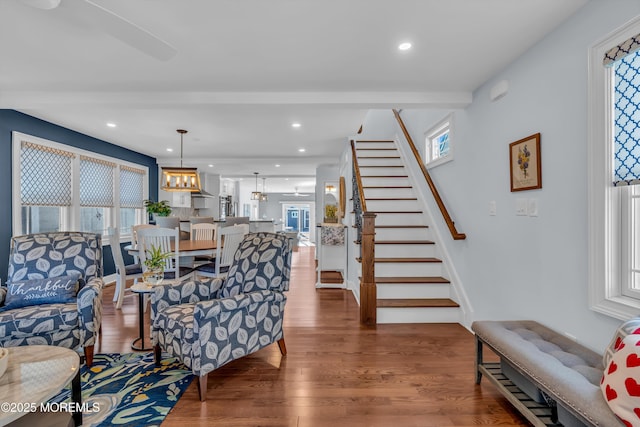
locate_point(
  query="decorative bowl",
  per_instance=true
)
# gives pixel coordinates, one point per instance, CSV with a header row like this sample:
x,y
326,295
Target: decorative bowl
x,y
4,360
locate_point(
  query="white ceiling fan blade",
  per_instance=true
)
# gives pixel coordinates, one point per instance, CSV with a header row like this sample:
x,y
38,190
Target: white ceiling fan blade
x,y
122,29
42,4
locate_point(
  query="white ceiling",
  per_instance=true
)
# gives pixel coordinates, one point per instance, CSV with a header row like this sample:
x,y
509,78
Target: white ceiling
x,y
246,69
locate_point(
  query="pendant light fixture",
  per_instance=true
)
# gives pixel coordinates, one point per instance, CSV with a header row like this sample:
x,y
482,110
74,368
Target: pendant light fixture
x,y
181,179
255,195
264,197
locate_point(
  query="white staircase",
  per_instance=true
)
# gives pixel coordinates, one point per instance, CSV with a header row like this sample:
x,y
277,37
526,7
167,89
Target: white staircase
x,y
412,284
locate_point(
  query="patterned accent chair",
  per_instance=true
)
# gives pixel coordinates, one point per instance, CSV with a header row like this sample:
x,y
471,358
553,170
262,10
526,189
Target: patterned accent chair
x,y
209,324
48,255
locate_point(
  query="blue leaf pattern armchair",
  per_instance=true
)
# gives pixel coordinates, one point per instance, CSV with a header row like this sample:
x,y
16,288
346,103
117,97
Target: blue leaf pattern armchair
x,y
209,324
47,255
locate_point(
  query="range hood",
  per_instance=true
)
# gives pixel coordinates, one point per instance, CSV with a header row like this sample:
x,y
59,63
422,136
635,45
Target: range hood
x,y
201,193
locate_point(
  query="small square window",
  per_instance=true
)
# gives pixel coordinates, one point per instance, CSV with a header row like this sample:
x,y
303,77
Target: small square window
x,y
438,143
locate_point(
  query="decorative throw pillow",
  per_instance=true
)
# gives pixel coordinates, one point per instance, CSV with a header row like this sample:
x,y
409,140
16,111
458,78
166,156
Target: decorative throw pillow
x,y
41,291
621,381
631,326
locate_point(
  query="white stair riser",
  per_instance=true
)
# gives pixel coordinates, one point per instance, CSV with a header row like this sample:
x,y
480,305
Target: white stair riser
x,y
419,315
385,182
412,290
380,161
367,152
393,205
386,171
399,219
402,233
404,251
363,145
388,192
408,269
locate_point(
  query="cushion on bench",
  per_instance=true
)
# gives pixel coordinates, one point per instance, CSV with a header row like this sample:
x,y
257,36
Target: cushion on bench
x,y
569,372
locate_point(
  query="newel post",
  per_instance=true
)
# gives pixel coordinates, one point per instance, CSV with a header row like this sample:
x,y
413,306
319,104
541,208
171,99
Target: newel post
x,y
368,294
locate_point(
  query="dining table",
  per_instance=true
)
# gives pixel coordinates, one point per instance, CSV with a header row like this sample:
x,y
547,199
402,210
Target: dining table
x,y
187,248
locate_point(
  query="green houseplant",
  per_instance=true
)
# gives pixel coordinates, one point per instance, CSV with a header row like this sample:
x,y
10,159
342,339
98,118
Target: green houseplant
x,y
154,261
161,208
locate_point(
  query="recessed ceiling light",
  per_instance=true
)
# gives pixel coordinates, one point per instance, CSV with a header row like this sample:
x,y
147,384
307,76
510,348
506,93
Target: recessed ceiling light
x,y
277,166
111,125
295,125
170,149
404,46
210,166
302,150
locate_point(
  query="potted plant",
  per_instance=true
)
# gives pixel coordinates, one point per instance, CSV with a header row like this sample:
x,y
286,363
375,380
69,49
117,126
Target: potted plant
x,y
154,261
161,208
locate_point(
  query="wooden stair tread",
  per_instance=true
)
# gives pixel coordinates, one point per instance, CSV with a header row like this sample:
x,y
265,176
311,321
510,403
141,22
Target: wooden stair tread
x,y
376,149
396,212
384,176
423,302
390,198
381,166
378,157
386,187
404,242
372,140
402,226
425,279
403,260
397,226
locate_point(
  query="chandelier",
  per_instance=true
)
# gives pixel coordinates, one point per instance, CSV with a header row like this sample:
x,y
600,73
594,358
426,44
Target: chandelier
x,y
256,195
181,179
264,197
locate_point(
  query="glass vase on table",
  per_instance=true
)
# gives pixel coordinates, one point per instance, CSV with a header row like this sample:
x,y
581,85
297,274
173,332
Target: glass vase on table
x,y
154,261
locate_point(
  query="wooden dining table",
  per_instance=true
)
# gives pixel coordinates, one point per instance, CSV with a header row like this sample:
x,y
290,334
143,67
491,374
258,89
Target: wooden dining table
x,y
186,247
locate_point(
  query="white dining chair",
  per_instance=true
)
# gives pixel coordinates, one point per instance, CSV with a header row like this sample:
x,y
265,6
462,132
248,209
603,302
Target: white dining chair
x,y
168,240
134,238
229,239
123,272
203,231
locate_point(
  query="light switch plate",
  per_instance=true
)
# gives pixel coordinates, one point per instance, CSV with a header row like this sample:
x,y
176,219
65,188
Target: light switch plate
x,y
493,208
521,207
532,209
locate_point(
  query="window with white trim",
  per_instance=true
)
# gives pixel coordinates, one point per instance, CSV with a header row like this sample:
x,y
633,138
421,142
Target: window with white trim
x,y
614,173
438,143
57,187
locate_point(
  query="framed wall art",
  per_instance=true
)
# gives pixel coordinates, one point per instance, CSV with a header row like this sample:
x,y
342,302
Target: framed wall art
x,y
524,163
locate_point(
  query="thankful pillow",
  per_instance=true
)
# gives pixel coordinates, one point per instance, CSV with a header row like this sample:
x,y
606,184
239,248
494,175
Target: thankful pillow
x,y
621,381
41,291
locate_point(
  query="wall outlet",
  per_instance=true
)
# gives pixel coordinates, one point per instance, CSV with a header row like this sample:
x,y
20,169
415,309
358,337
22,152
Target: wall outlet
x,y
521,207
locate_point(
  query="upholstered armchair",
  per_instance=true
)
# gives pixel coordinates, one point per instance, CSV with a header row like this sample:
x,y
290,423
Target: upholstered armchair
x,y
209,324
53,294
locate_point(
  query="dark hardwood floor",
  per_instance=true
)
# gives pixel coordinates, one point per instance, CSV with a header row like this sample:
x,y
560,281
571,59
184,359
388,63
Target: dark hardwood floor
x,y
336,373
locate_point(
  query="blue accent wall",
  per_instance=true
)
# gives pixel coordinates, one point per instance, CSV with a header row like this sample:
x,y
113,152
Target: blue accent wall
x,y
11,120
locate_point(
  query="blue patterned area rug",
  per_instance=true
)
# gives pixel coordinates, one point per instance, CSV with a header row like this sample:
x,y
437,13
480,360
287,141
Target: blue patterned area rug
x,y
128,389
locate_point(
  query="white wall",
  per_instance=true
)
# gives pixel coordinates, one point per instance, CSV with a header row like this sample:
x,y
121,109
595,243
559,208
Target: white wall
x,y
515,267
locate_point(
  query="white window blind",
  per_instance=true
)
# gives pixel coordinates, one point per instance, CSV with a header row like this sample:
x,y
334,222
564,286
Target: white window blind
x,y
45,178
131,187
96,182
